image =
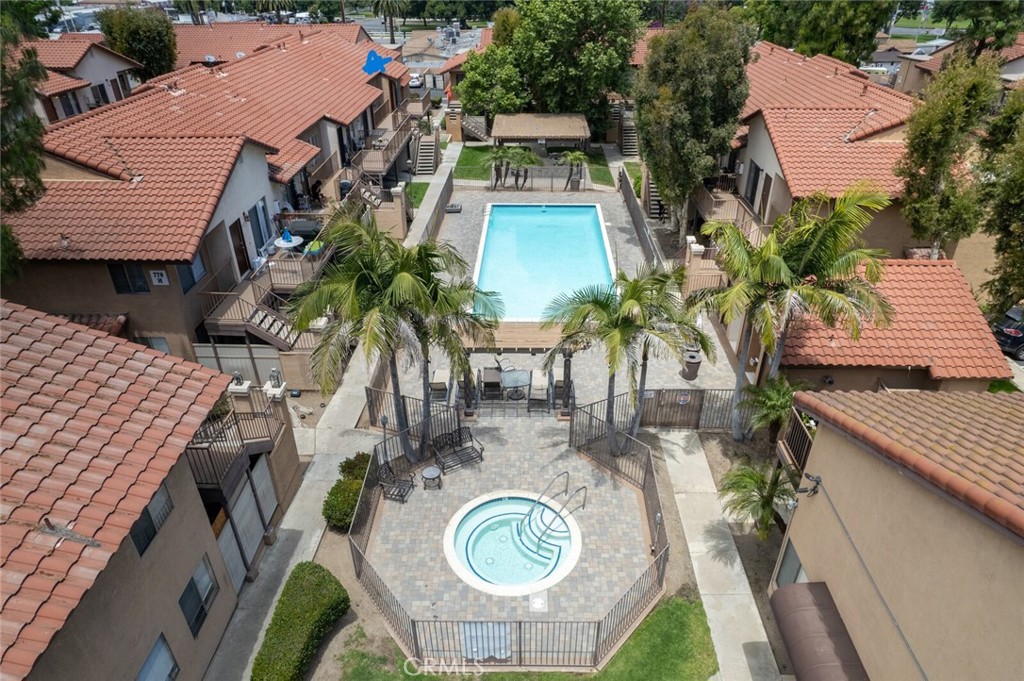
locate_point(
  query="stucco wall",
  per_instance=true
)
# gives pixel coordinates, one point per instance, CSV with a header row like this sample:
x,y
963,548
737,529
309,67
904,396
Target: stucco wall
x,y
975,255
249,182
759,149
862,378
135,599
951,579
99,66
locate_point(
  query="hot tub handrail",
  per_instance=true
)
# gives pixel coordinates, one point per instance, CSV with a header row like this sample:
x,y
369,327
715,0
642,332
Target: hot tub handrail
x,y
558,514
542,495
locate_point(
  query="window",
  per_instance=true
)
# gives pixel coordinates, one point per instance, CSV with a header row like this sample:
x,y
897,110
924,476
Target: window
x,y
128,278
126,87
69,103
160,665
790,569
99,94
198,596
155,342
188,275
151,519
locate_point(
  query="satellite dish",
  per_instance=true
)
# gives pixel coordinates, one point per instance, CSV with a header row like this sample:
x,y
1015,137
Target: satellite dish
x,y
239,55
209,59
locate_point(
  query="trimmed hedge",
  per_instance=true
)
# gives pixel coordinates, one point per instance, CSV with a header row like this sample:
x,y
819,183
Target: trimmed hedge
x,y
311,603
340,504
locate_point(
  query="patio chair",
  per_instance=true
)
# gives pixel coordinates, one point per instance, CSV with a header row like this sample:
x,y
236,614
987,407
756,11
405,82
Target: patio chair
x,y
456,449
490,383
395,488
440,385
540,391
504,363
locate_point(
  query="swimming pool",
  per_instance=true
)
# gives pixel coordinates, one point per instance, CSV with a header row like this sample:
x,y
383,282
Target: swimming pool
x,y
530,253
511,543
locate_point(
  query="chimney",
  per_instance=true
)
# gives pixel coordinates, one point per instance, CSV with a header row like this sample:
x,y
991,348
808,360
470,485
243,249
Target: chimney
x,y
865,90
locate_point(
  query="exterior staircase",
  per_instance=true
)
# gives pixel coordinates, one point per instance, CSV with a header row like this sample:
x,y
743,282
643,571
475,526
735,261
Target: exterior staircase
x,y
271,326
653,199
475,126
629,143
426,155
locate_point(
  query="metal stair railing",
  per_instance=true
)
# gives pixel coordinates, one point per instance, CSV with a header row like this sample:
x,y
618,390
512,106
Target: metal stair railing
x,y
558,514
536,501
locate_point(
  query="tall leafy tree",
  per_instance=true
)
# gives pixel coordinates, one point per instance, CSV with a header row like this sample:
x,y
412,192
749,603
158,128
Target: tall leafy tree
x,y
688,100
21,131
506,21
941,202
844,29
811,263
145,35
493,83
1003,188
992,24
573,52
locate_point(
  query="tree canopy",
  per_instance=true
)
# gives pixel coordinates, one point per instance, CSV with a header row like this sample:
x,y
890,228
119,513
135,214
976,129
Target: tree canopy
x,y
493,83
689,97
940,199
844,29
506,21
991,24
145,35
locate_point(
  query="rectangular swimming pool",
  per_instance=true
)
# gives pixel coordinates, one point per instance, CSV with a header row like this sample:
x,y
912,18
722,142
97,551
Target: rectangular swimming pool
x,y
530,253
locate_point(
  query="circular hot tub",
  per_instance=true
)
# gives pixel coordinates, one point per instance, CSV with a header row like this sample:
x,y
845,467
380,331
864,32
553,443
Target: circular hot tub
x,y
512,543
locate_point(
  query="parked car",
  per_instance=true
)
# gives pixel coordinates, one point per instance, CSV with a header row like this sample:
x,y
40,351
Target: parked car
x,y
1009,332
415,80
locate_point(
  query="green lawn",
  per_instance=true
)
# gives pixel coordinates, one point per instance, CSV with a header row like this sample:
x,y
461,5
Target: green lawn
x,y
416,191
927,23
633,169
673,643
598,166
473,164
444,144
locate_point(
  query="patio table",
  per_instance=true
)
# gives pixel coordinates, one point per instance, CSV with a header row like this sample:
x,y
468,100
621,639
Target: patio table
x,y
513,383
432,478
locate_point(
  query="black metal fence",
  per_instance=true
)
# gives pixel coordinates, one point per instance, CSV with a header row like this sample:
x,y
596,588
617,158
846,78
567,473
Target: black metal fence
x,y
579,644
691,408
640,225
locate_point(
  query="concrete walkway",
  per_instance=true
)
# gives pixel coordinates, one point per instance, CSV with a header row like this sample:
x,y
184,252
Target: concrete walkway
x,y
741,643
418,228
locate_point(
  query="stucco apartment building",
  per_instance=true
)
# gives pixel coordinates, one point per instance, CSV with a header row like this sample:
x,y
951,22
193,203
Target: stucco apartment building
x,y
165,207
904,554
938,339
81,75
138,496
917,71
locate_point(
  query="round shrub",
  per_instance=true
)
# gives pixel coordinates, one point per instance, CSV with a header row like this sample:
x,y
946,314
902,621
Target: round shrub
x,y
355,468
340,504
311,603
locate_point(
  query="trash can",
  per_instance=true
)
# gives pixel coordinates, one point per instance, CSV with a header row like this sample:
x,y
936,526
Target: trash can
x,y
691,366
344,187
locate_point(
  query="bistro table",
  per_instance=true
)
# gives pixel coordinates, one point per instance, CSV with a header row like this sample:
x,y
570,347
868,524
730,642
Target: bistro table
x,y
295,242
513,383
432,477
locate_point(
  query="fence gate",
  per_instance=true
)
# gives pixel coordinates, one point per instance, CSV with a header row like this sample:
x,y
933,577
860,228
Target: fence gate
x,y
264,487
672,408
229,549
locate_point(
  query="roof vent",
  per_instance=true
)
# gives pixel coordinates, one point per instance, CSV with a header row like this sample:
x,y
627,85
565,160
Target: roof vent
x,y
239,55
63,532
209,59
865,90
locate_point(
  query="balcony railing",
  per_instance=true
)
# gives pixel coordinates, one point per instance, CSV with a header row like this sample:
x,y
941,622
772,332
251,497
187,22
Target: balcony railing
x,y
218,452
795,445
383,149
417,105
717,204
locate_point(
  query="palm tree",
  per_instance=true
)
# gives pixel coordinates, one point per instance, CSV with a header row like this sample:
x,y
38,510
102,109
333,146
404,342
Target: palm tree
x,y
366,295
771,404
389,9
274,6
754,493
811,262
573,158
455,309
521,159
664,325
498,156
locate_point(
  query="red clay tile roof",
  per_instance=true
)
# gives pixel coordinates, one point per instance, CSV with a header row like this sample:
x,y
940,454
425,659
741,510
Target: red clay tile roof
x,y
224,41
153,211
937,325
113,324
64,55
57,83
1011,53
271,97
640,50
486,38
91,426
90,37
966,444
829,114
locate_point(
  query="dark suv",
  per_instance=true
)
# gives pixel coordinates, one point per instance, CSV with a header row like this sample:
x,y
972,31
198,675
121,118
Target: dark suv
x,y
1009,332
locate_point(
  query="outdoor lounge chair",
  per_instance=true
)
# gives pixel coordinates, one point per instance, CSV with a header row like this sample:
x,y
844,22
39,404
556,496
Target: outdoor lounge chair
x,y
440,384
490,383
395,488
540,391
456,449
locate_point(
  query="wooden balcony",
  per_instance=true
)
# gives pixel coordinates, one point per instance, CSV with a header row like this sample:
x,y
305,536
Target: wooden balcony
x,y
717,200
416,105
385,144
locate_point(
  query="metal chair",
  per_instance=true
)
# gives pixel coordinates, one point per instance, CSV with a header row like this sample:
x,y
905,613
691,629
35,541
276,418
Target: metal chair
x,y
395,488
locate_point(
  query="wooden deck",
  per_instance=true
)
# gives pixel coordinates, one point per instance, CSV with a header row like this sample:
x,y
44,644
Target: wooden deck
x,y
519,337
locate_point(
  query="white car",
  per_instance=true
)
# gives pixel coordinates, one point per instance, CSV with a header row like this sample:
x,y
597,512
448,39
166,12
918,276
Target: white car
x,y
416,80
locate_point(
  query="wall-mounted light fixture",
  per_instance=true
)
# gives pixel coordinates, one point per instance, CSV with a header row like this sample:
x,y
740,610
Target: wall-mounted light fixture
x,y
810,491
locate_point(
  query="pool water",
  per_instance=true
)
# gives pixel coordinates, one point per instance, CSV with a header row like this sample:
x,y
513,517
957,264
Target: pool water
x,y
531,253
495,542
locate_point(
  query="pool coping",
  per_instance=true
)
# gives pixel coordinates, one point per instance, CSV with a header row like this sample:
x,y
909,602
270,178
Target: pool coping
x,y
609,258
512,590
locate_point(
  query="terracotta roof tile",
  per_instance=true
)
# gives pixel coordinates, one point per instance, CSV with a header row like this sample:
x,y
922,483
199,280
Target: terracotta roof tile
x,y
57,83
228,42
93,480
64,55
937,325
89,37
114,324
640,50
454,62
1011,53
966,444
